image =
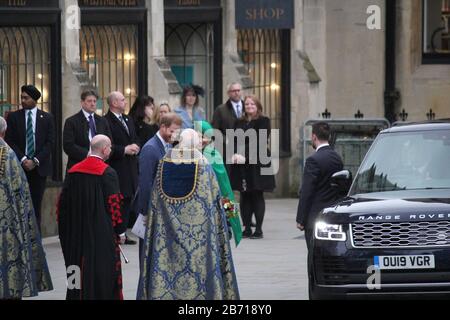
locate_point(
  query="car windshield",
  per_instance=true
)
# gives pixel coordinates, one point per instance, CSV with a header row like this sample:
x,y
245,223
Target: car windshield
x,y
406,161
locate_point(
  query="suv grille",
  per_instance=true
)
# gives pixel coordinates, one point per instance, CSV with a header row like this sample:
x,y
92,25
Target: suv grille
x,y
400,234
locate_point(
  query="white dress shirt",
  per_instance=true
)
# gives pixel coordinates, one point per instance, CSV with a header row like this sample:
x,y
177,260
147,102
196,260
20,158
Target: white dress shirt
x,y
322,145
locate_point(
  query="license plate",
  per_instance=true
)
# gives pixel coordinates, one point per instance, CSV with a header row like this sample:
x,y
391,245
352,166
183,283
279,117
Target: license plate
x,y
404,262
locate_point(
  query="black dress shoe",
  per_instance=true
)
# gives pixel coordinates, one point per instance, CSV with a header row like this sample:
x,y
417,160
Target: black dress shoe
x,y
257,235
247,233
130,241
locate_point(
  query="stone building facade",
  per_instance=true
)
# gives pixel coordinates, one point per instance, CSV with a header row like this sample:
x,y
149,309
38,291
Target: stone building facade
x,y
340,59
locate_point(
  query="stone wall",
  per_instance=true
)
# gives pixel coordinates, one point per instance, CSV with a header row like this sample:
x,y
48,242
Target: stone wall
x,y
422,87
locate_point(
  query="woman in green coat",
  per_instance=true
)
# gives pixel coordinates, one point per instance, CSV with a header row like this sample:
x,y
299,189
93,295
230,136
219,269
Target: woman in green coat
x,y
215,159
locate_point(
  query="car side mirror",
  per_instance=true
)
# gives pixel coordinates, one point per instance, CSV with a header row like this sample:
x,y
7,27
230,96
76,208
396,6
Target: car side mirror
x,y
342,181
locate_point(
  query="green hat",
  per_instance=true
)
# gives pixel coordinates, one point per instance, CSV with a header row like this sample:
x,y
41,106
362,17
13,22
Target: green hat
x,y
205,127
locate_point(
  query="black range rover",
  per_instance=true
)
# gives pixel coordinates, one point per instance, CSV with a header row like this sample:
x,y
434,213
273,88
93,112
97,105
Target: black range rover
x,y
390,237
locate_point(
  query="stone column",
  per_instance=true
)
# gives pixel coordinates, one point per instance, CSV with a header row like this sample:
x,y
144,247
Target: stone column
x,y
71,71
161,81
233,68
70,28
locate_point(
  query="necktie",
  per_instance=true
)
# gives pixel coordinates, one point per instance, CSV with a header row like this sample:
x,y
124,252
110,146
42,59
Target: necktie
x,y
124,124
92,126
167,147
238,109
30,136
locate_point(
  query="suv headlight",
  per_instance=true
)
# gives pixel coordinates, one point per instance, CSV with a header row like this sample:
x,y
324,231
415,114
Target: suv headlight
x,y
330,232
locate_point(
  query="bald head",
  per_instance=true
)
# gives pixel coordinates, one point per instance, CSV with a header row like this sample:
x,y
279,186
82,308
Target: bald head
x,y
117,102
101,146
3,127
189,139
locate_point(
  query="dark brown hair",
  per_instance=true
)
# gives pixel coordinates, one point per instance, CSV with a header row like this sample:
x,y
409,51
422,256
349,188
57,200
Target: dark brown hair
x,y
186,91
137,111
322,131
88,93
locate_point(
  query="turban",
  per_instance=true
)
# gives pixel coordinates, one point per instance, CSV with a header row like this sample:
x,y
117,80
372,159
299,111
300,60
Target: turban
x,y
32,92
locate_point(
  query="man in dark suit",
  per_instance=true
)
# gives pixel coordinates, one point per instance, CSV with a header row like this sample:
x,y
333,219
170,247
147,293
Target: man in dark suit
x,y
124,152
226,115
153,151
316,192
31,134
81,128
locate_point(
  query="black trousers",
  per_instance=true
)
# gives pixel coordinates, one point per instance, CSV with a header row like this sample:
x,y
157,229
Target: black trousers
x,y
309,234
37,189
253,203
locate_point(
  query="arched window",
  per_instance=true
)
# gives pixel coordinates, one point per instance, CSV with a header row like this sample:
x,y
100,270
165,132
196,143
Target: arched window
x,y
109,54
266,54
190,52
24,59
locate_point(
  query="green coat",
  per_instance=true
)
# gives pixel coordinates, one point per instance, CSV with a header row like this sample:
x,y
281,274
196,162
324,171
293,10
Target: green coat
x,y
215,159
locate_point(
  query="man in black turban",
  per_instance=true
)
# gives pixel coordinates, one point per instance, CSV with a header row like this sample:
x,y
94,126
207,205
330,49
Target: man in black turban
x,y
31,134
32,91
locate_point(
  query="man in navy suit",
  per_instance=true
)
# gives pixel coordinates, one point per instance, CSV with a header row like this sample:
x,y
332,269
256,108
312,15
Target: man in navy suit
x,y
80,128
125,150
153,151
316,192
31,134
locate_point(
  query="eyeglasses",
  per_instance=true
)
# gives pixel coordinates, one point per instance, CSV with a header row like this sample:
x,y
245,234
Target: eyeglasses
x,y
235,91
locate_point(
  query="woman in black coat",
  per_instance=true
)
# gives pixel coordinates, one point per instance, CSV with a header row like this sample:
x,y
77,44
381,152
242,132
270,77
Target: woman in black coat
x,y
142,114
246,171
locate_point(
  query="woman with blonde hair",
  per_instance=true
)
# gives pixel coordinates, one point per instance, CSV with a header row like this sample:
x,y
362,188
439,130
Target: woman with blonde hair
x,y
161,110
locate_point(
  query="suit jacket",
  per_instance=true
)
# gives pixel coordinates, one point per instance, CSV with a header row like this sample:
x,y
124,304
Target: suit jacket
x,y
44,138
76,136
126,166
151,153
316,192
225,118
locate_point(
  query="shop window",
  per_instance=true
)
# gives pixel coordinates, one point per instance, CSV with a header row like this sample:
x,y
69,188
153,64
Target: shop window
x,y
266,56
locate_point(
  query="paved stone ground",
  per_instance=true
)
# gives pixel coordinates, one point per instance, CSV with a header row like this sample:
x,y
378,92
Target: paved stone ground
x,y
273,268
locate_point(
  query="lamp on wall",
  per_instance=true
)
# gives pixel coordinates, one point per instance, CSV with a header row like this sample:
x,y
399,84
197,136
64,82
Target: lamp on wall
x,y
128,57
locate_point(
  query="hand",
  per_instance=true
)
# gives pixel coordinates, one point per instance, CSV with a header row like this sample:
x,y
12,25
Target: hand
x,y
132,149
300,227
122,239
28,165
238,159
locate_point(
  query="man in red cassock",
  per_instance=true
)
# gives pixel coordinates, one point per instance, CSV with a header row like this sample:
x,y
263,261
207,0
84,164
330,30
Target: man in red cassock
x,y
89,219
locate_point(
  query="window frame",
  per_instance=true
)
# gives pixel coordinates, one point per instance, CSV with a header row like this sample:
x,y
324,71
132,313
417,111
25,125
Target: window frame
x,y
430,58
